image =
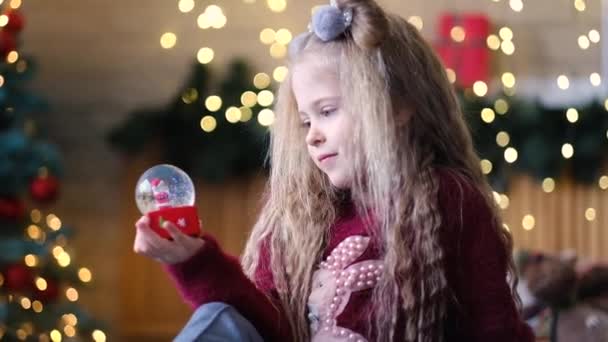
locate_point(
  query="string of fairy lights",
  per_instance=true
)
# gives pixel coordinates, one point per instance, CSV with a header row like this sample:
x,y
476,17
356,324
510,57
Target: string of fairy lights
x,y
501,41
38,231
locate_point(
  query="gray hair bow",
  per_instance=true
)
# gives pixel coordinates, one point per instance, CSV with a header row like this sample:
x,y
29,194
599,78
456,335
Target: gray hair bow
x,y
328,23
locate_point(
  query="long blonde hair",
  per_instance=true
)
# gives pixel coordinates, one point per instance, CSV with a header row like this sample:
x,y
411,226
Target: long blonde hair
x,y
385,69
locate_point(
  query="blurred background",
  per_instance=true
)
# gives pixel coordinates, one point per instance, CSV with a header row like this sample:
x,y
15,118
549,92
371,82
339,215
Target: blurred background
x,y
94,93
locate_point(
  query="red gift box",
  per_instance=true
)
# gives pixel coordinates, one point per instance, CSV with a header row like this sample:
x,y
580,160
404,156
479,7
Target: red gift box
x,y
185,218
469,58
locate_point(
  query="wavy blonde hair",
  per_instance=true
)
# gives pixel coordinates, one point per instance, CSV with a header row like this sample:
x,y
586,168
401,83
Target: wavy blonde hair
x,y
407,123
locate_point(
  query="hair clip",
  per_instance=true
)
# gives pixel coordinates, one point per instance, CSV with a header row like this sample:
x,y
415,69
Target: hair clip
x,y
329,21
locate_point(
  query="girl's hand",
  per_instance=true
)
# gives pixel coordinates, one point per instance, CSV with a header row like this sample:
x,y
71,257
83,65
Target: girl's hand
x,y
148,243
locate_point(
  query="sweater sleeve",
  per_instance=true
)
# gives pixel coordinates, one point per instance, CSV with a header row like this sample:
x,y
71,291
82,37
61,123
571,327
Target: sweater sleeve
x,y
476,268
211,275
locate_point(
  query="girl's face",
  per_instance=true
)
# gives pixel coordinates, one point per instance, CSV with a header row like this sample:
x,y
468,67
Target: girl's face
x,y
317,92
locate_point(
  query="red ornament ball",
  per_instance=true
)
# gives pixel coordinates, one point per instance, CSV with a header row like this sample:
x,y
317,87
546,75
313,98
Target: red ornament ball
x,y
11,209
8,43
44,189
18,277
15,22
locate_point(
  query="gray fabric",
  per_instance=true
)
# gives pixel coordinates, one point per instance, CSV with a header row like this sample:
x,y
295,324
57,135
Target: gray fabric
x,y
328,23
217,322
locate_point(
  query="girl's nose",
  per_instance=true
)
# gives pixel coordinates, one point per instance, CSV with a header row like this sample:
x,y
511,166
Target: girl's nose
x,y
314,137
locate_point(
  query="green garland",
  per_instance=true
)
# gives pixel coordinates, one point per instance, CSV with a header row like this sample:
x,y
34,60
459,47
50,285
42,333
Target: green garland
x,y
536,132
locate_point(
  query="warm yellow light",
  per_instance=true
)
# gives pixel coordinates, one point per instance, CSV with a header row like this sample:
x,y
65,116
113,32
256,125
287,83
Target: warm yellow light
x,y
31,260
583,42
595,79
283,36
416,21
590,214
278,50
246,113
451,75
548,185
64,260
265,98
508,79
205,55
34,232
70,319
487,115
458,34
266,117
233,114
57,251
208,123
572,115
505,33
249,99
15,4
480,88
3,20
276,5
53,222
503,139
567,150
85,275
580,5
185,6
99,336
267,36
168,40
504,201
280,73
507,47
12,57
501,106
528,222
493,42
41,284
71,294
563,82
516,5
486,166
511,155
261,80
603,182
69,331
190,95
26,303
37,306
213,103
594,36
56,335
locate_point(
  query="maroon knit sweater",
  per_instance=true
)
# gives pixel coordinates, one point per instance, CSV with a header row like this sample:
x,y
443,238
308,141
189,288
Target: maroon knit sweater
x,y
481,307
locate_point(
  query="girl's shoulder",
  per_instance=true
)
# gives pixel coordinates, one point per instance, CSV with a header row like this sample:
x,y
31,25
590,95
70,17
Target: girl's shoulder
x,y
460,201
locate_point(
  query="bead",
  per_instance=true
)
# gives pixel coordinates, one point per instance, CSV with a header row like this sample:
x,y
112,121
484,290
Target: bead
x,y
370,283
371,267
359,246
326,328
330,258
340,291
352,337
370,274
362,276
343,332
358,239
336,300
360,284
332,306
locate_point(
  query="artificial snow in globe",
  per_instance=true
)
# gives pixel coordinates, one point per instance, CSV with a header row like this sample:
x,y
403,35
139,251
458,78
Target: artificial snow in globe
x,y
163,186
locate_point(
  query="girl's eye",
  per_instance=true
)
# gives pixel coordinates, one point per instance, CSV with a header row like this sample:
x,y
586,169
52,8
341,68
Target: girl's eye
x,y
305,124
327,112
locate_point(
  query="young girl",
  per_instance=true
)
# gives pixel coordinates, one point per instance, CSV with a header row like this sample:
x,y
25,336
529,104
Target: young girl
x,y
378,224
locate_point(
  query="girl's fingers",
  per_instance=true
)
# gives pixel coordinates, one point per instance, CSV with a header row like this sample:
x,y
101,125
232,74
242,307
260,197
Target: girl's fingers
x,y
178,236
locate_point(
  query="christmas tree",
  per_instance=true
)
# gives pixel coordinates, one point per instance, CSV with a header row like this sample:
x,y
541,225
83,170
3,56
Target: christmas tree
x,y
38,280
